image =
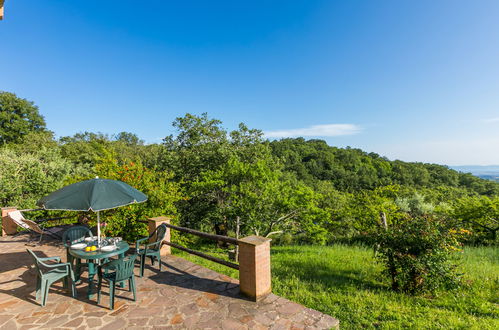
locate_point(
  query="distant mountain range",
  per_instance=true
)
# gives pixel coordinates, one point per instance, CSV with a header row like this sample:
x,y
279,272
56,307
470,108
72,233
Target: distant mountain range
x,y
489,172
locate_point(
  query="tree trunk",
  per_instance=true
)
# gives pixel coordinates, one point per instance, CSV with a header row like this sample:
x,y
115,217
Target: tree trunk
x,y
221,229
393,274
384,223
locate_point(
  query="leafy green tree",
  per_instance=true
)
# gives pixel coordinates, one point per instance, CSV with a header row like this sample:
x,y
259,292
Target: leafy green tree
x,y
34,142
26,177
162,192
337,206
265,200
84,149
128,138
480,214
18,118
200,145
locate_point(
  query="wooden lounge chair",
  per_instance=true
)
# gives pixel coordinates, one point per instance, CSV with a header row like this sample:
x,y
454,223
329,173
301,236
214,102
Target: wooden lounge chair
x,y
32,226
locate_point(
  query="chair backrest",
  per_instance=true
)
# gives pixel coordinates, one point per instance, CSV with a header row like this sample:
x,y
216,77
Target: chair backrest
x,y
158,235
75,234
124,268
18,218
35,261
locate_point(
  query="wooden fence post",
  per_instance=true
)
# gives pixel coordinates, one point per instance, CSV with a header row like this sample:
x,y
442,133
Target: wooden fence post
x,y
254,267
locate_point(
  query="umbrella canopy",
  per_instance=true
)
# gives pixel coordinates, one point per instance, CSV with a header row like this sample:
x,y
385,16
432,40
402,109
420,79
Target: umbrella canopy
x,y
92,195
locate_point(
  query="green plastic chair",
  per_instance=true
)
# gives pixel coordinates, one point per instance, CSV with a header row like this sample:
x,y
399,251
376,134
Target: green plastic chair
x,y
71,236
50,273
151,250
122,270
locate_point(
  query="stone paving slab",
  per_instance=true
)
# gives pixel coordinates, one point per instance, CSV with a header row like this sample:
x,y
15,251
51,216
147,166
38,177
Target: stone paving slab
x,y
183,296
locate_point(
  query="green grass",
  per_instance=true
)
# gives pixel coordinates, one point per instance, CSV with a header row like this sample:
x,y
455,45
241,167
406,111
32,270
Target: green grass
x,y
346,282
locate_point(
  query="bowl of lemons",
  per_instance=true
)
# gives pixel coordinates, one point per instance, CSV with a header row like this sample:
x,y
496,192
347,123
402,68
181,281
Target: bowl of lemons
x,y
91,248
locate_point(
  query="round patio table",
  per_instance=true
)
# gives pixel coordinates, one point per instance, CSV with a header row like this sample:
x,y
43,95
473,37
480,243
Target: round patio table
x,y
97,255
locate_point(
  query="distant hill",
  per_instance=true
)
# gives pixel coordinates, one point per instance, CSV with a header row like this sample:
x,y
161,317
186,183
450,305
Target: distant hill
x,y
490,172
352,170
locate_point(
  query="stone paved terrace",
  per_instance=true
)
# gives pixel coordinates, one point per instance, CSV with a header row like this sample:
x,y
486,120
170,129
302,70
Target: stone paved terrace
x,y
183,296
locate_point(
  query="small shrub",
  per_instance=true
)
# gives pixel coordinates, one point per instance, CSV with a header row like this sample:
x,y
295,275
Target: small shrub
x,y
417,254
283,239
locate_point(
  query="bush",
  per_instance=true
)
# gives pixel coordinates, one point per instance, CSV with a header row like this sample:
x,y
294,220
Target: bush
x,y
283,239
26,177
417,254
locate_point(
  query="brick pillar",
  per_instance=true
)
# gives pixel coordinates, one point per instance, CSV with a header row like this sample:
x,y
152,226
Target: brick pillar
x,y
153,223
9,227
254,267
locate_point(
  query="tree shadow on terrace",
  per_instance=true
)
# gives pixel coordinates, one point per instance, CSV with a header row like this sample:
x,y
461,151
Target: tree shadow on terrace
x,y
22,286
31,240
197,278
317,272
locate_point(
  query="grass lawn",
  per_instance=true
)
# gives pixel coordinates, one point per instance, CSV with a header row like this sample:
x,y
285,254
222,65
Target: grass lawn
x,y
346,282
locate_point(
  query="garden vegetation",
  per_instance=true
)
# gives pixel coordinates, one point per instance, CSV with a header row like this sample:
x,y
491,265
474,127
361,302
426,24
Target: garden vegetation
x,y
415,218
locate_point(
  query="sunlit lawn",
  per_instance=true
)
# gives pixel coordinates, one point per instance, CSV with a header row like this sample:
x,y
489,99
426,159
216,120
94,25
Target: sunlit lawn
x,y
347,283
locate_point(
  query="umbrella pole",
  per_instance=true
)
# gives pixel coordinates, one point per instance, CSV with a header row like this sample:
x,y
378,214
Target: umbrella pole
x,y
98,228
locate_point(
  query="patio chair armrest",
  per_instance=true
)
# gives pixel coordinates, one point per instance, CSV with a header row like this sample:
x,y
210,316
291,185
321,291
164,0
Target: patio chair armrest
x,y
137,242
141,239
146,247
61,264
151,244
50,258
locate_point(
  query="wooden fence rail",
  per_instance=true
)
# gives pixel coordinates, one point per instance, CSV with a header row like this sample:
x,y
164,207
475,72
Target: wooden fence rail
x,y
204,255
220,238
198,233
254,256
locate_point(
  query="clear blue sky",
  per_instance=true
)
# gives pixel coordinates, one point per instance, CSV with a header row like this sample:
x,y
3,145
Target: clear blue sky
x,y
413,80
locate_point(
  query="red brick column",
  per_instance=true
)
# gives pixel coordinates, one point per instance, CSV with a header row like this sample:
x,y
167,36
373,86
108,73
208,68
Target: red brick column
x,y
9,227
254,267
153,223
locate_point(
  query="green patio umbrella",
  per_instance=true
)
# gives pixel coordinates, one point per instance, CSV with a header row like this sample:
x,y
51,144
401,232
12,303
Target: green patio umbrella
x,y
92,195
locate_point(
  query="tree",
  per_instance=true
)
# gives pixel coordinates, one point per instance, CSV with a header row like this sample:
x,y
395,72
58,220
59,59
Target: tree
x,y
26,177
266,200
18,117
34,142
128,138
200,145
84,149
480,214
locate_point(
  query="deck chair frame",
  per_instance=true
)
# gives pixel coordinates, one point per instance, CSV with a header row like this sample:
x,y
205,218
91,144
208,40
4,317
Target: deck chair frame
x,y
18,218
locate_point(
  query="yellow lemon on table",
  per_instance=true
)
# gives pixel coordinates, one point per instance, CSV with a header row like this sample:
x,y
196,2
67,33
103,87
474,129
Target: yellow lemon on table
x,y
93,248
88,249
